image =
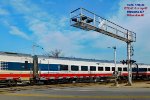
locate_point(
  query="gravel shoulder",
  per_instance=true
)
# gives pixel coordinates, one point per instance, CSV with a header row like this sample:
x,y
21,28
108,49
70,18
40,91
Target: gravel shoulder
x,y
145,84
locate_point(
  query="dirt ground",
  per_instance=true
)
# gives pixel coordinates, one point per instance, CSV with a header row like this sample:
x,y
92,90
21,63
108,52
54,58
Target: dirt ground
x,y
145,84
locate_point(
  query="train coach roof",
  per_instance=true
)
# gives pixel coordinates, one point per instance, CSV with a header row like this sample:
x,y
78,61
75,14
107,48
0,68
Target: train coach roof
x,y
83,59
76,59
61,58
14,54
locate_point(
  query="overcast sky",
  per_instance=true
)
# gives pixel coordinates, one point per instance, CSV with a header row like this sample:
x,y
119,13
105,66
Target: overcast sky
x,y
46,23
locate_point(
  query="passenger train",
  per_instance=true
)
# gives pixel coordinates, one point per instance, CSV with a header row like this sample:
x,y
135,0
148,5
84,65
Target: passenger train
x,y
17,67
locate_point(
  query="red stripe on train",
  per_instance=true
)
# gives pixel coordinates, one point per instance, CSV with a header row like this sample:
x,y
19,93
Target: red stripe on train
x,y
57,75
5,76
14,75
75,75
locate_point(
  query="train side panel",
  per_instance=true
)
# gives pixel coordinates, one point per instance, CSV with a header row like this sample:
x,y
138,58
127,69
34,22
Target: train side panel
x,y
15,67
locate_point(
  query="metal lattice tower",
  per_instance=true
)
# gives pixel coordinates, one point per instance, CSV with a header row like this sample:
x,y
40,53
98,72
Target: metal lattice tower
x,y
86,20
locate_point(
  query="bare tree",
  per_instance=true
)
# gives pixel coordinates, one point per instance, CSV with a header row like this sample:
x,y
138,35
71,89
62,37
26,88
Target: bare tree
x,y
55,53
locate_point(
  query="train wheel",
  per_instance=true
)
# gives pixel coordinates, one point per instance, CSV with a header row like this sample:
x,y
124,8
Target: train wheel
x,y
14,83
8,83
95,80
46,82
11,83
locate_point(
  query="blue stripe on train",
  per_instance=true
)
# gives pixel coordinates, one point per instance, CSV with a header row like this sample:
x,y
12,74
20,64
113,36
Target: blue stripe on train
x,y
27,66
19,66
49,67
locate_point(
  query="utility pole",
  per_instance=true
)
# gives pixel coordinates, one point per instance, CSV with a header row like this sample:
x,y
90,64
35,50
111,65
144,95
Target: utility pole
x,y
35,46
116,70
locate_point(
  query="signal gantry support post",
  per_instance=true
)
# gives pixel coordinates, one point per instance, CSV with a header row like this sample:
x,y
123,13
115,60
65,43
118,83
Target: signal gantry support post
x,y
86,20
129,63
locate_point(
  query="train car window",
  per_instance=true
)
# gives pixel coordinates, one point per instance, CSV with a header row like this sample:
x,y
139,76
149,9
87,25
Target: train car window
x,y
148,69
119,69
84,68
49,67
134,69
113,68
74,68
124,69
63,67
107,68
53,67
145,69
3,65
100,68
92,68
43,67
26,65
16,66
142,69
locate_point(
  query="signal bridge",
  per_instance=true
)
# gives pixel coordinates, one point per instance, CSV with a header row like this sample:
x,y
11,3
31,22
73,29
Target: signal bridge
x,y
86,20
